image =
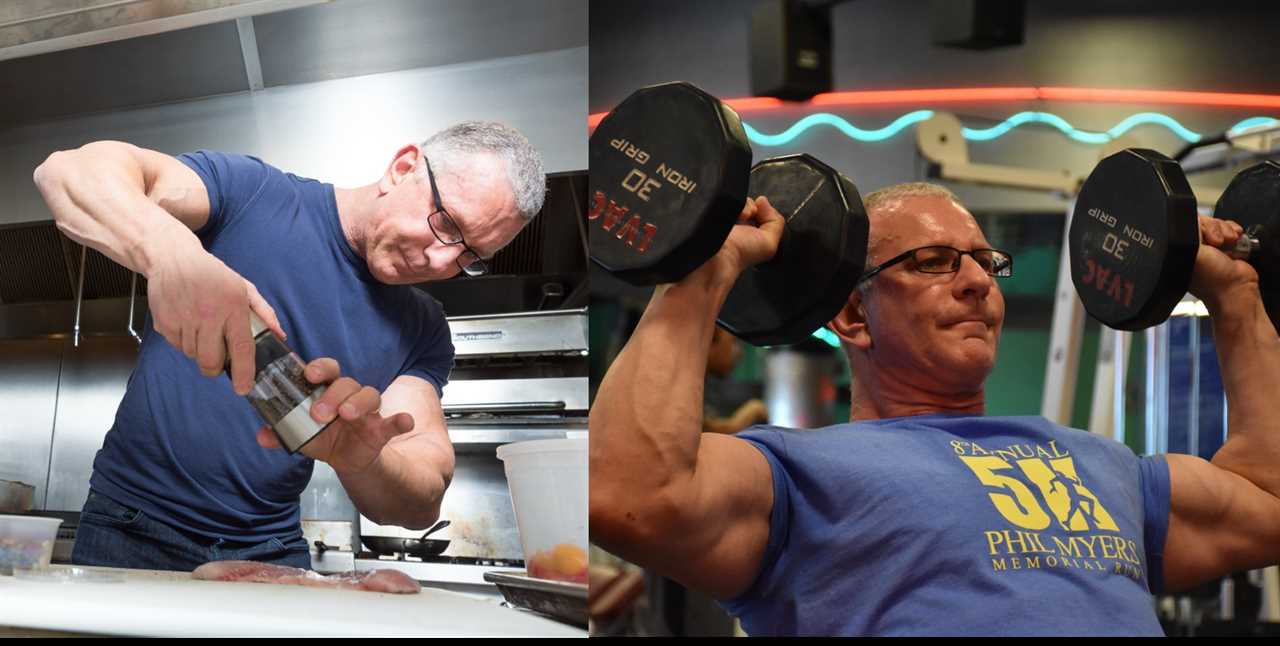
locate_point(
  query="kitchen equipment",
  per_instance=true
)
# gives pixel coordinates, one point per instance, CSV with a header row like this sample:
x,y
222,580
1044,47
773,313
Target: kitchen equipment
x,y
567,601
26,542
548,480
419,547
517,377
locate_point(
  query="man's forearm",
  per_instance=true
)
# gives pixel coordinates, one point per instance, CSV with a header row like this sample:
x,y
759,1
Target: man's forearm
x,y
404,486
98,198
1249,356
646,420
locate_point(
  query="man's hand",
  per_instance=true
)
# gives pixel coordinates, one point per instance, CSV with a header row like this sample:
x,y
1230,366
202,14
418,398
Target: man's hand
x,y
753,240
202,308
355,438
1218,277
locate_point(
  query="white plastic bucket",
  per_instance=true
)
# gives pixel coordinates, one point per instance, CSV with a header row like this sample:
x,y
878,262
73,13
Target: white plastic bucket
x,y
548,484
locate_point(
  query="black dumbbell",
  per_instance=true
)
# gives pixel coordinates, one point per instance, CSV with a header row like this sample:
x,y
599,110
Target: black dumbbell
x,y
670,172
1135,233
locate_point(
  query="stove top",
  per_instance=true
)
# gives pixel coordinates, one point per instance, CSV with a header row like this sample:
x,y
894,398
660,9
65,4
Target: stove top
x,y
446,560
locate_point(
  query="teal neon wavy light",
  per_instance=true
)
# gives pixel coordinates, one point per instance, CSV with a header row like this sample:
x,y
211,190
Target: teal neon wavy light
x,y
988,134
828,119
1251,122
828,336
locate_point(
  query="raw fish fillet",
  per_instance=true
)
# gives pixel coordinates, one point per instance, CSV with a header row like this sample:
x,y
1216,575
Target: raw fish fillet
x,y
253,572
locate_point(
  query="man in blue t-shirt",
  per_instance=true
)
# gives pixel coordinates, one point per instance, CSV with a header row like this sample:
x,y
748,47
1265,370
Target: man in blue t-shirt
x,y
921,516
188,473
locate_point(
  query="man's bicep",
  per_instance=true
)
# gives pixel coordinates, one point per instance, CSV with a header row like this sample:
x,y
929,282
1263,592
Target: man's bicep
x,y
720,547
1219,523
174,187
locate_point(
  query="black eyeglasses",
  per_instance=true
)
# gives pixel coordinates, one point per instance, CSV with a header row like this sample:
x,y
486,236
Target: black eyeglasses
x,y
447,232
946,260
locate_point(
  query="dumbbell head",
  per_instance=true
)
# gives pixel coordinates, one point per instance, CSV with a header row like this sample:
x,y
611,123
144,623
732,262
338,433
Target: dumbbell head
x,y
668,179
1133,239
822,253
669,176
1252,199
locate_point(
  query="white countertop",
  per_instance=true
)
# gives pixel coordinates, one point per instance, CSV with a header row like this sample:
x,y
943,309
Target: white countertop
x,y
157,604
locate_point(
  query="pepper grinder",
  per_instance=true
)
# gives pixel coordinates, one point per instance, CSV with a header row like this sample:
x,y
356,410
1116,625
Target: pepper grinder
x,y
281,393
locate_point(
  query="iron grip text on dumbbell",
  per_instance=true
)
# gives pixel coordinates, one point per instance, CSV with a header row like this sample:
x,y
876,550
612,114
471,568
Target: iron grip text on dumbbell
x,y
610,214
640,183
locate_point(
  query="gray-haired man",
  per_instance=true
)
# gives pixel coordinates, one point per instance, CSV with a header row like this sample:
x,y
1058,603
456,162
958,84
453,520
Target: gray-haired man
x,y
182,477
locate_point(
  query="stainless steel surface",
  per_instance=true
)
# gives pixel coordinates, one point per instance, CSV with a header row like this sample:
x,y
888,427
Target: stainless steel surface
x,y
554,332
297,428
29,397
508,407
557,599
473,394
324,499
36,27
332,561
319,44
336,535
93,382
357,37
293,127
100,317
486,438
249,52
478,504
518,578
430,572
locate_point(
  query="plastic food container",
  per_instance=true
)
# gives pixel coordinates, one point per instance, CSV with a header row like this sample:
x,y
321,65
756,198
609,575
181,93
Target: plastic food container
x,y
548,483
26,542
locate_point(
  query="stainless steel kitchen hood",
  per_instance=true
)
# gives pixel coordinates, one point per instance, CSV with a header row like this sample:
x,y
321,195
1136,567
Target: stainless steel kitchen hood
x,y
34,27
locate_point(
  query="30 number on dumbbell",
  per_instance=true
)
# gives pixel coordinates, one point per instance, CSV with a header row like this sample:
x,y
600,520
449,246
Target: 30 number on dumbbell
x,y
670,173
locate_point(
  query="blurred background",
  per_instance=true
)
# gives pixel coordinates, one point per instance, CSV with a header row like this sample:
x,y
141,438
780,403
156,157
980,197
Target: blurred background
x,y
1157,390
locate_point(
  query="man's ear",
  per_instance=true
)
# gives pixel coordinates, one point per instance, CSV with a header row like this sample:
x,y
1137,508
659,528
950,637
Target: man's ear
x,y
851,323
401,168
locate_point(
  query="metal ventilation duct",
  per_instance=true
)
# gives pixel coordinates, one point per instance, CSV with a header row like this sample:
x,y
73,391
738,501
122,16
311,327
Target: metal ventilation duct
x,y
35,27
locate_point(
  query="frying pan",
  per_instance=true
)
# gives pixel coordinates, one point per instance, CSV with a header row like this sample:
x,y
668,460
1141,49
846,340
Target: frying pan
x,y
419,547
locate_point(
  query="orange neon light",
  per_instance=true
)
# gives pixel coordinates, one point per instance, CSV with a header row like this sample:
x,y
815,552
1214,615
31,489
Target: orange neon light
x,y
875,97
754,103
1159,96
941,95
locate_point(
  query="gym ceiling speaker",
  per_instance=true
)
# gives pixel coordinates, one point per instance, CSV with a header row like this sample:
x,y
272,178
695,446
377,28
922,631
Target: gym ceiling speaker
x,y
790,50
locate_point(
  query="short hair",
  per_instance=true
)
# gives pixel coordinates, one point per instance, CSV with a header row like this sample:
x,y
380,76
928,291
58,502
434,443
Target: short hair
x,y
895,192
905,190
448,151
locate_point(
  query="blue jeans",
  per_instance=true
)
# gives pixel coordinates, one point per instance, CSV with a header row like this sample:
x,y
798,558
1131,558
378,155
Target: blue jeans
x,y
113,535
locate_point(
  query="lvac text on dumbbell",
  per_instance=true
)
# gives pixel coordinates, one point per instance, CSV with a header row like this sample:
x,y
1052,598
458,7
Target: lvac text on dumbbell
x,y
1112,284
642,185
1145,195
612,213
